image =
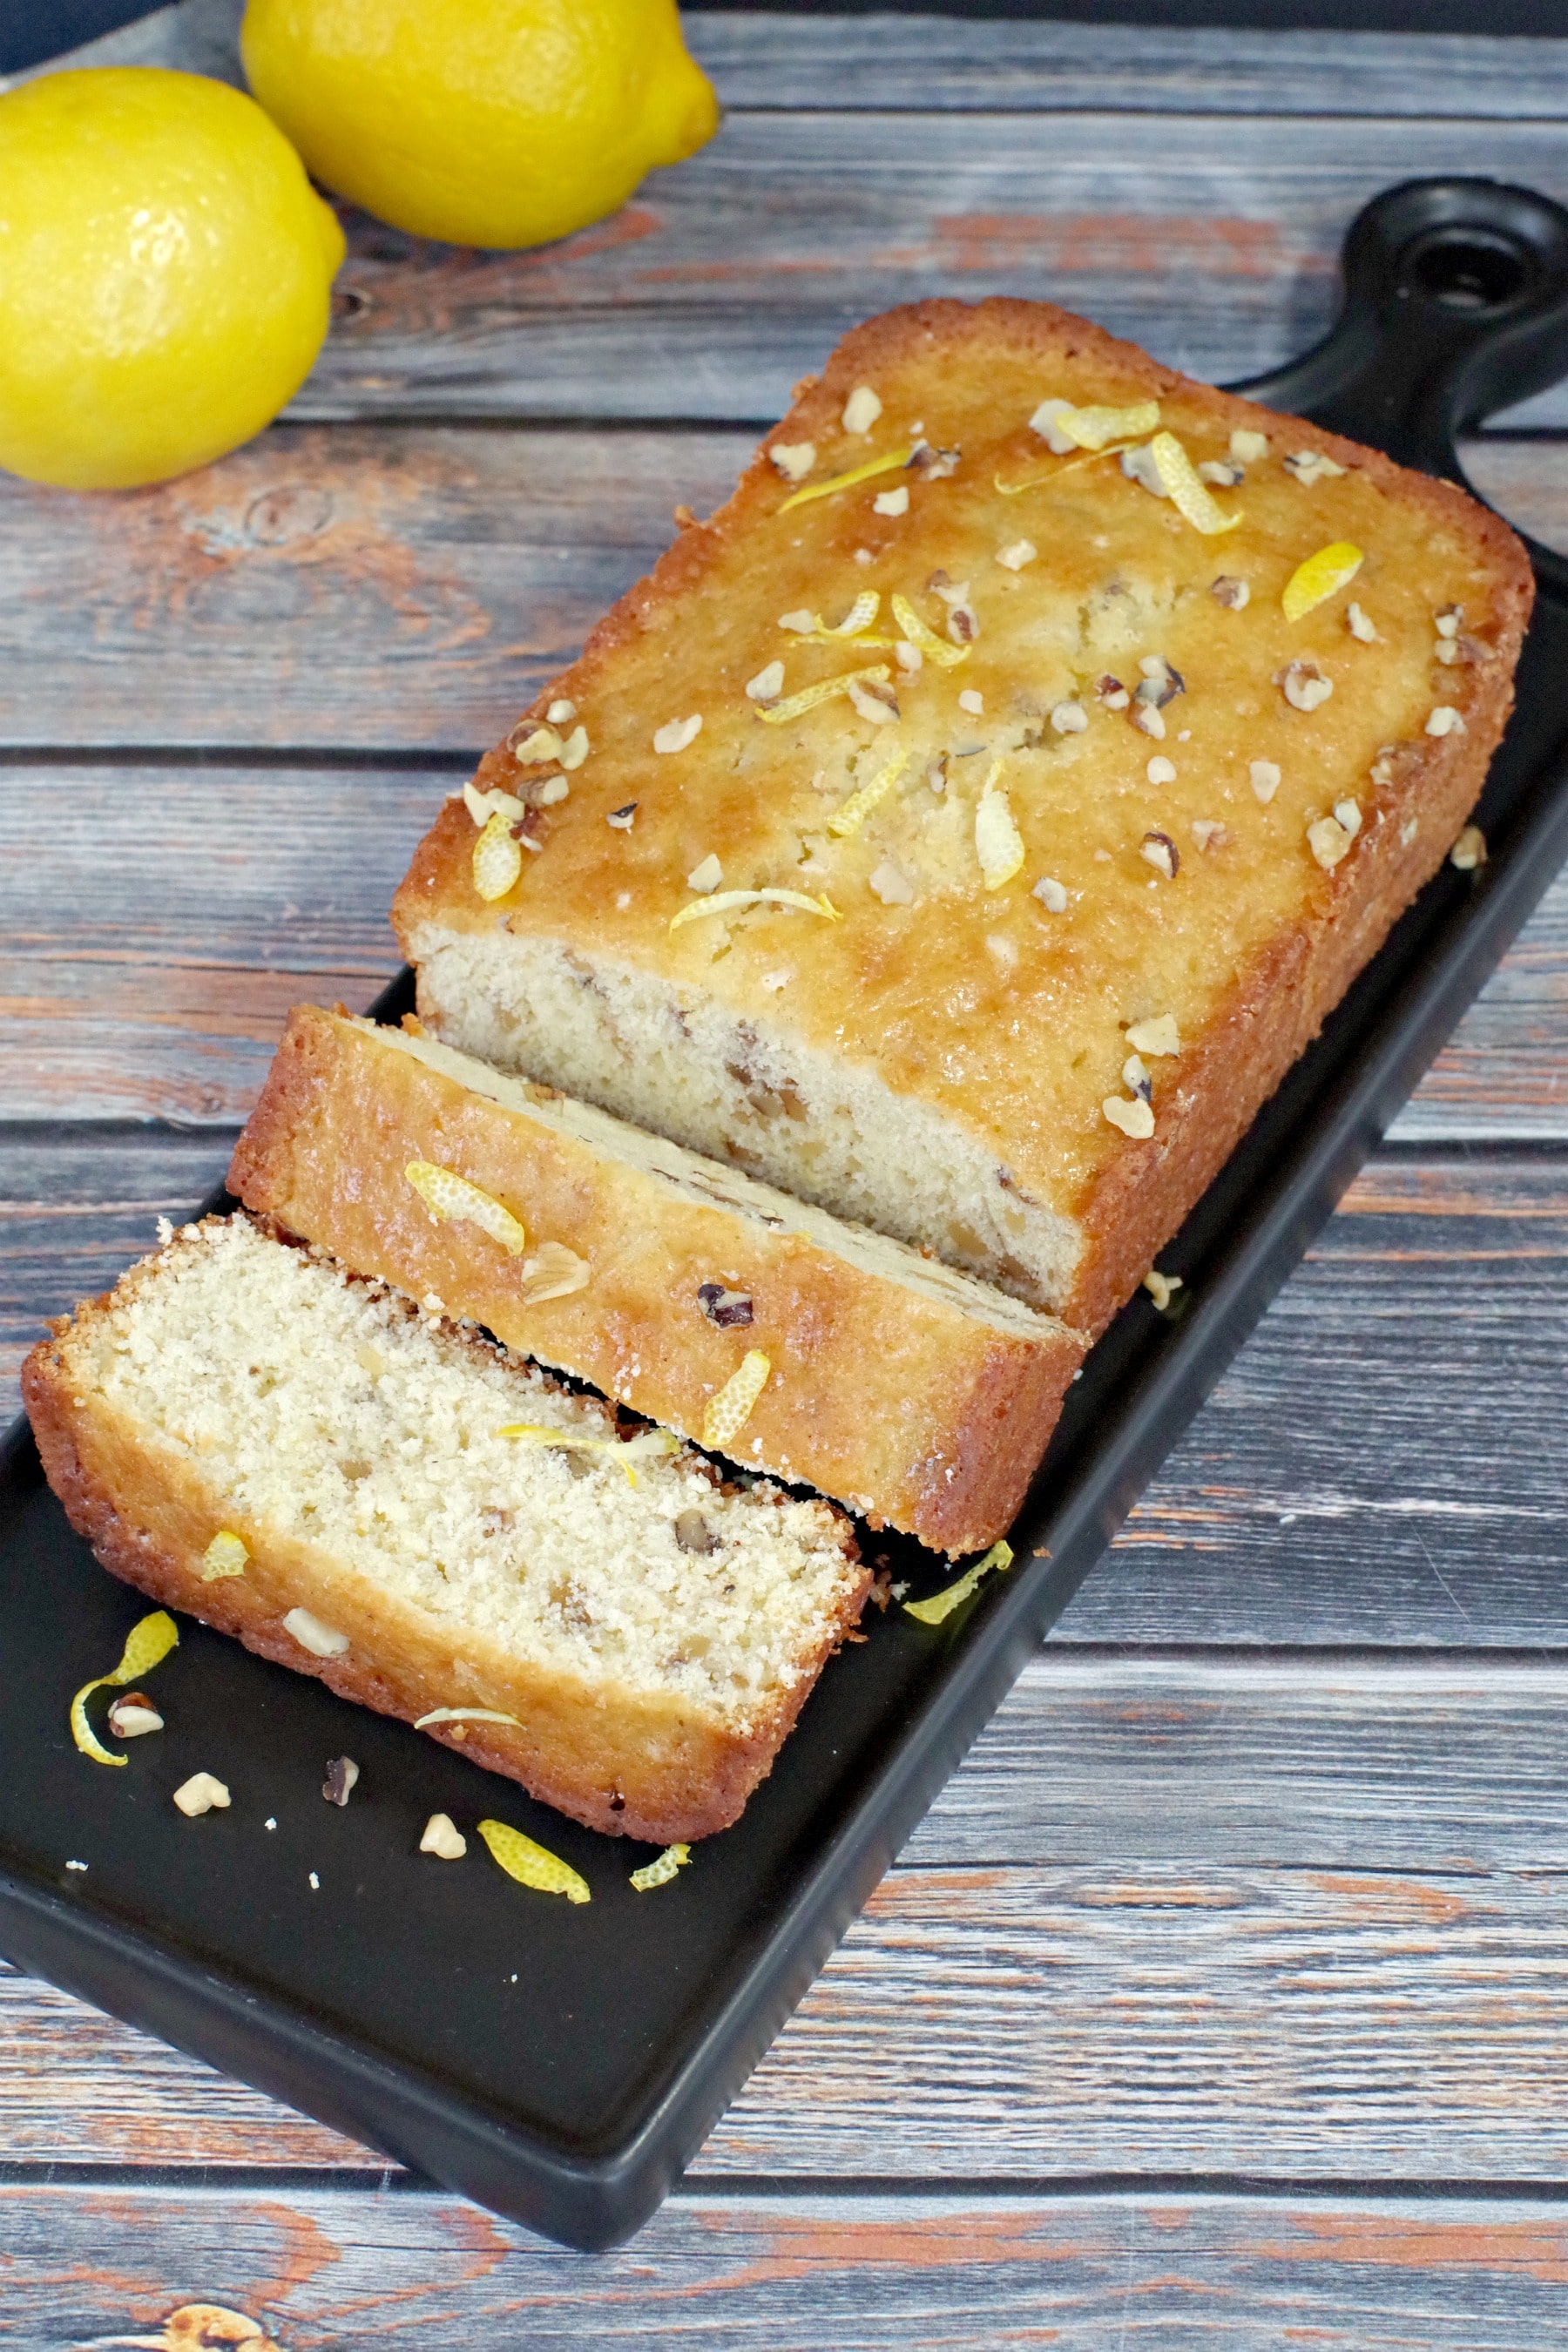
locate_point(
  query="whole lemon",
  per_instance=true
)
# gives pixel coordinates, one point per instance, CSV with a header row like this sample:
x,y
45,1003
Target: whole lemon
x,y
495,122
165,274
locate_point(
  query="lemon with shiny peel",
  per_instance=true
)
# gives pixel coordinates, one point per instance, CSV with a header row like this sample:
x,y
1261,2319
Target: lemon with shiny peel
x,y
165,274
488,122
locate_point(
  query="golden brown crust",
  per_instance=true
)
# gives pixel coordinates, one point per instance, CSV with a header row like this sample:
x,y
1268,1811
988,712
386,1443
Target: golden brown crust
x,y
915,1414
616,1763
874,989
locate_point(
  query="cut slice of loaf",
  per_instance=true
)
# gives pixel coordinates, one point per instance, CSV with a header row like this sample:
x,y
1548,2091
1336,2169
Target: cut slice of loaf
x,y
654,1642
911,1392
1146,825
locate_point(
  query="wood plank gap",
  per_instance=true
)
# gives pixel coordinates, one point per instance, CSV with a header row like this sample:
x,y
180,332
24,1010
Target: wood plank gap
x,y
85,1132
1306,1658
442,760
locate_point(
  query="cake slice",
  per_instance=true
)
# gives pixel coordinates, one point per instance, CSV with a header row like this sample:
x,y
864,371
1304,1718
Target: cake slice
x,y
915,1394
968,825
425,1524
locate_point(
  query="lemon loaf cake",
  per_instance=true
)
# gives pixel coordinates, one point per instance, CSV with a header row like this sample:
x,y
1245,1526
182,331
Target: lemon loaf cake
x,y
968,825
361,1492
916,1395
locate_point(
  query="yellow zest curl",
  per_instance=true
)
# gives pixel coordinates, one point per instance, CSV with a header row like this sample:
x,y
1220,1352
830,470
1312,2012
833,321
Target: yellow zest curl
x,y
724,902
729,1410
148,1644
1068,465
825,490
660,1872
498,860
1321,576
998,844
225,1555
858,619
942,1604
794,705
925,640
1185,490
634,1449
852,813
1092,428
449,1195
533,1865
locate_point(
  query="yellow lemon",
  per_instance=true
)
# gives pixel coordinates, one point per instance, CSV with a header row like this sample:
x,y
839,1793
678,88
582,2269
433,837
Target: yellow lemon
x,y
494,123
165,274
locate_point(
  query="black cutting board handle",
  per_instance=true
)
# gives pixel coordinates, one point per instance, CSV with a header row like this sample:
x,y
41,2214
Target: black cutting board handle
x,y
1455,305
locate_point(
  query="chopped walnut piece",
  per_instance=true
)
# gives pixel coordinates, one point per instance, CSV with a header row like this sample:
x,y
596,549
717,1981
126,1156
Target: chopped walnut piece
x,y
530,743
1134,1117
768,684
794,459
1158,1035
1149,720
1044,422
678,733
1233,593
1445,721
1359,625
1068,718
200,1794
1327,841
1161,682
1247,447
443,1838
935,465
861,409
1303,684
343,1774
1225,473
1136,1079
962,624
1311,467
551,793
891,502
891,885
1016,553
1209,832
1139,466
1446,621
1051,895
1161,852
693,1533
973,702
706,874
133,1716
1112,693
727,1308
623,819
562,713
909,658
1264,777
874,700
1468,853
1160,770
574,750
1162,1287
1348,814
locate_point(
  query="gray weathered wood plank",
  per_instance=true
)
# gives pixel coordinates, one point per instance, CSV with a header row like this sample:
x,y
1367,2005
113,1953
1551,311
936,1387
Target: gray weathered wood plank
x,y
360,588
400,587
1306,1879
729,2272
960,64
1215,244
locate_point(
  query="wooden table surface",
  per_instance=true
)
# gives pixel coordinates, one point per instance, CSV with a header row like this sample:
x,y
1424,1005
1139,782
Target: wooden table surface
x,y
1223,1996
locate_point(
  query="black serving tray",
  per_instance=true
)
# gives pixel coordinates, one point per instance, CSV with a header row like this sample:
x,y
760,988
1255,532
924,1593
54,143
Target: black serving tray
x,y
561,2063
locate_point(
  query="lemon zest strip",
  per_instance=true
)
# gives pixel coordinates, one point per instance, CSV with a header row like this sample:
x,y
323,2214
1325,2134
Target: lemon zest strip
x,y
533,1865
660,1872
147,1644
633,1449
1070,466
1092,428
723,902
851,816
825,490
998,844
1321,576
448,1195
498,860
777,714
1185,490
225,1555
942,1604
465,1714
729,1408
925,639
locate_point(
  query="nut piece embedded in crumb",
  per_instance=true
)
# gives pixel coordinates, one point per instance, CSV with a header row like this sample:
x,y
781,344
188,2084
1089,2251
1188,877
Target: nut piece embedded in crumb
x,y
342,1773
1160,770
1310,466
1328,841
768,684
795,460
861,409
623,819
1468,852
200,1794
891,502
1265,779
1303,684
1248,448
442,1836
321,1641
1134,1118
1051,894
1445,721
693,1533
1157,1036
677,733
1068,718
133,1716
1162,853
1016,553
1233,593
1359,625
705,875
727,1308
